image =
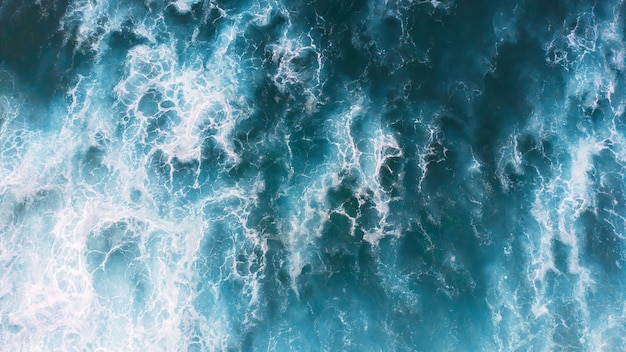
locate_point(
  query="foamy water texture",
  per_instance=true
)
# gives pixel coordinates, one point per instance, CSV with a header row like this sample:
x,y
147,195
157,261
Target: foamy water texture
x,y
312,175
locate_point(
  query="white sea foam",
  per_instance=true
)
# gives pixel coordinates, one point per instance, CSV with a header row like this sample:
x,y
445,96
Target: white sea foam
x,y
58,301
105,246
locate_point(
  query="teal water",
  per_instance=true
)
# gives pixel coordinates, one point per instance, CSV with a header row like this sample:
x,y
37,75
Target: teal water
x,y
312,175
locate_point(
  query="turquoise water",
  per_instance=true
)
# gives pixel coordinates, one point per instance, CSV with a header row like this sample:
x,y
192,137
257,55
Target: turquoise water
x,y
312,175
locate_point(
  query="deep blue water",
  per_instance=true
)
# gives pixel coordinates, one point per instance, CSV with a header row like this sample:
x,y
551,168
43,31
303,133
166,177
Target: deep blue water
x,y
314,175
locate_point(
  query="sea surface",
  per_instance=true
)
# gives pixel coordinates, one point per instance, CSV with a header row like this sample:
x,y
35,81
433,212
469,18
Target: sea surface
x,y
319,175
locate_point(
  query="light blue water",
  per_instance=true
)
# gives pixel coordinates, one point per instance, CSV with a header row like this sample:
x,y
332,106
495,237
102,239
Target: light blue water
x,y
312,175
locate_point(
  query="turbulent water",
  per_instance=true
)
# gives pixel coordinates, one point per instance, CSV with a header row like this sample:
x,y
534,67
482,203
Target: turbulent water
x,y
319,175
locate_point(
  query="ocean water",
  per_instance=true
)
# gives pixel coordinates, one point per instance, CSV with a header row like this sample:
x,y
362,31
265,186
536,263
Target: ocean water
x,y
315,175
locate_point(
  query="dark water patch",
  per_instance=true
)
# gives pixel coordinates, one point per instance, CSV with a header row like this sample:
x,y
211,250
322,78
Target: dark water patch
x,y
184,177
542,18
270,105
214,246
538,155
214,162
160,123
561,253
90,165
351,57
390,32
603,247
32,45
455,128
450,51
412,250
423,26
338,29
276,280
308,148
378,80
122,40
603,242
346,300
463,49
149,106
389,176
274,168
440,170
210,23
252,134
342,196
339,12
505,106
